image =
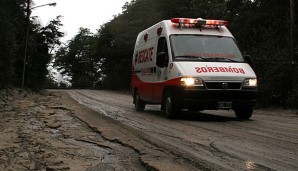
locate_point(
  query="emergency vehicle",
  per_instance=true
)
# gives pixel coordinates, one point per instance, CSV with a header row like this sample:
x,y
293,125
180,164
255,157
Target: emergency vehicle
x,y
192,64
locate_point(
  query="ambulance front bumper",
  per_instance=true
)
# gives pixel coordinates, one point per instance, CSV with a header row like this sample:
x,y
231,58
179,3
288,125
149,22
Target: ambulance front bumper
x,y
210,99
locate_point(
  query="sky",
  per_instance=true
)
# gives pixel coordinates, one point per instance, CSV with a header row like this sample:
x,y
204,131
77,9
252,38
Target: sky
x,y
75,14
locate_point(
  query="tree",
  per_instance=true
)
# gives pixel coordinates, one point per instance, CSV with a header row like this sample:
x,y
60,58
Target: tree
x,y
193,8
12,45
117,37
42,41
11,21
262,30
79,60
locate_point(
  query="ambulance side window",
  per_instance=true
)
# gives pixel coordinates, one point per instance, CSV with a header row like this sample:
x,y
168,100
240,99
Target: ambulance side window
x,y
162,58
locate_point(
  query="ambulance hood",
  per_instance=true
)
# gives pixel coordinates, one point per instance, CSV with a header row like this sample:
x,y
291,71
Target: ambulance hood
x,y
212,71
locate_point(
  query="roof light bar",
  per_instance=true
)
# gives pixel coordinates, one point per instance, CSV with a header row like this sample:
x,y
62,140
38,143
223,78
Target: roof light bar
x,y
199,21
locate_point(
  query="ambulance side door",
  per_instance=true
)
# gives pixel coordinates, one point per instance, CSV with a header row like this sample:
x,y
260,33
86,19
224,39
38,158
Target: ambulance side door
x,y
160,69
146,64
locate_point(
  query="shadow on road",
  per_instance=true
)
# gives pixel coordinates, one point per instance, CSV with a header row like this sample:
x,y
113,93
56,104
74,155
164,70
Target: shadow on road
x,y
204,117
198,116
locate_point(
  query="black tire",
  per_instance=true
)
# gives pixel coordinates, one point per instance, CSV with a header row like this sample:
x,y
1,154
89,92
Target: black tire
x,y
139,103
243,113
170,107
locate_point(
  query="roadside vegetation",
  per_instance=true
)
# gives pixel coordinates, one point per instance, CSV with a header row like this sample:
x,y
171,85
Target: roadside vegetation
x,y
103,59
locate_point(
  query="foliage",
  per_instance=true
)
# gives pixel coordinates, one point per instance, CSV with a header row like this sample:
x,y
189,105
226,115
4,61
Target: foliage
x,y
79,60
103,59
13,16
11,20
43,39
117,37
262,29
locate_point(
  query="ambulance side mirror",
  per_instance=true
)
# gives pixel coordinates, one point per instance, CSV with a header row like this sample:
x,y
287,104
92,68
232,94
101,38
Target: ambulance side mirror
x,y
249,60
161,59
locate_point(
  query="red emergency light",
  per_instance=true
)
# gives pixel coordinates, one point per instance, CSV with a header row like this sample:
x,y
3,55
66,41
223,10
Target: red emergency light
x,y
199,21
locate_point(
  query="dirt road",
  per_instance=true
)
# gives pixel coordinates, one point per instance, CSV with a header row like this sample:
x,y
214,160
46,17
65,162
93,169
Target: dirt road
x,y
100,130
213,140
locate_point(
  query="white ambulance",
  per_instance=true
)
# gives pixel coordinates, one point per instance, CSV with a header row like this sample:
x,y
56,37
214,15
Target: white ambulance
x,y
192,64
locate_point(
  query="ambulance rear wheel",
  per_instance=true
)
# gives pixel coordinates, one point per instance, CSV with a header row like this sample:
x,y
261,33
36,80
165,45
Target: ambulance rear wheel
x,y
139,103
243,113
170,108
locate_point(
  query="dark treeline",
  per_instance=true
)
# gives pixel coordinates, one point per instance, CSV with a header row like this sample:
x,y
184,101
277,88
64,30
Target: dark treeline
x,y
103,59
40,40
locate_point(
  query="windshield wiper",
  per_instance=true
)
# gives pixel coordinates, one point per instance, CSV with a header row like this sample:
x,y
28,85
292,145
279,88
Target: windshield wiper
x,y
191,57
224,59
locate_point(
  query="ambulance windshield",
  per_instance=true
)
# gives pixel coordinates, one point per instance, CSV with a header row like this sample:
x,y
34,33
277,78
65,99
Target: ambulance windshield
x,y
205,48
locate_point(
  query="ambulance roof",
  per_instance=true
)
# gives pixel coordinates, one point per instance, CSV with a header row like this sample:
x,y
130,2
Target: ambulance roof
x,y
175,26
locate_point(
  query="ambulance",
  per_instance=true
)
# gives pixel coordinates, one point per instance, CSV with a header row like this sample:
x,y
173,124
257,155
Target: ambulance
x,y
192,64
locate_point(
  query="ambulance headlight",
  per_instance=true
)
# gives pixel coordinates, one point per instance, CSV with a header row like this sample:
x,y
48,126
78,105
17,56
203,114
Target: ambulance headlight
x,y
189,81
250,82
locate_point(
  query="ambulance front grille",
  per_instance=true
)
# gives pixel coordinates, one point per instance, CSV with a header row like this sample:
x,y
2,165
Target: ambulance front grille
x,y
223,85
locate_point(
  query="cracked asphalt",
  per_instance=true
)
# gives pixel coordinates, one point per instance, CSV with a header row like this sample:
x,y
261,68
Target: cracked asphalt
x,y
39,133
100,130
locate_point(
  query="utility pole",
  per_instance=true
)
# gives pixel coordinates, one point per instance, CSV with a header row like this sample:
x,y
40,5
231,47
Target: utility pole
x,y
26,41
294,93
292,19
28,11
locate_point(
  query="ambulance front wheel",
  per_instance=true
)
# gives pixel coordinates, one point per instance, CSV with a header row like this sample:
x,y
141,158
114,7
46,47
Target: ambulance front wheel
x,y
170,108
243,113
139,103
